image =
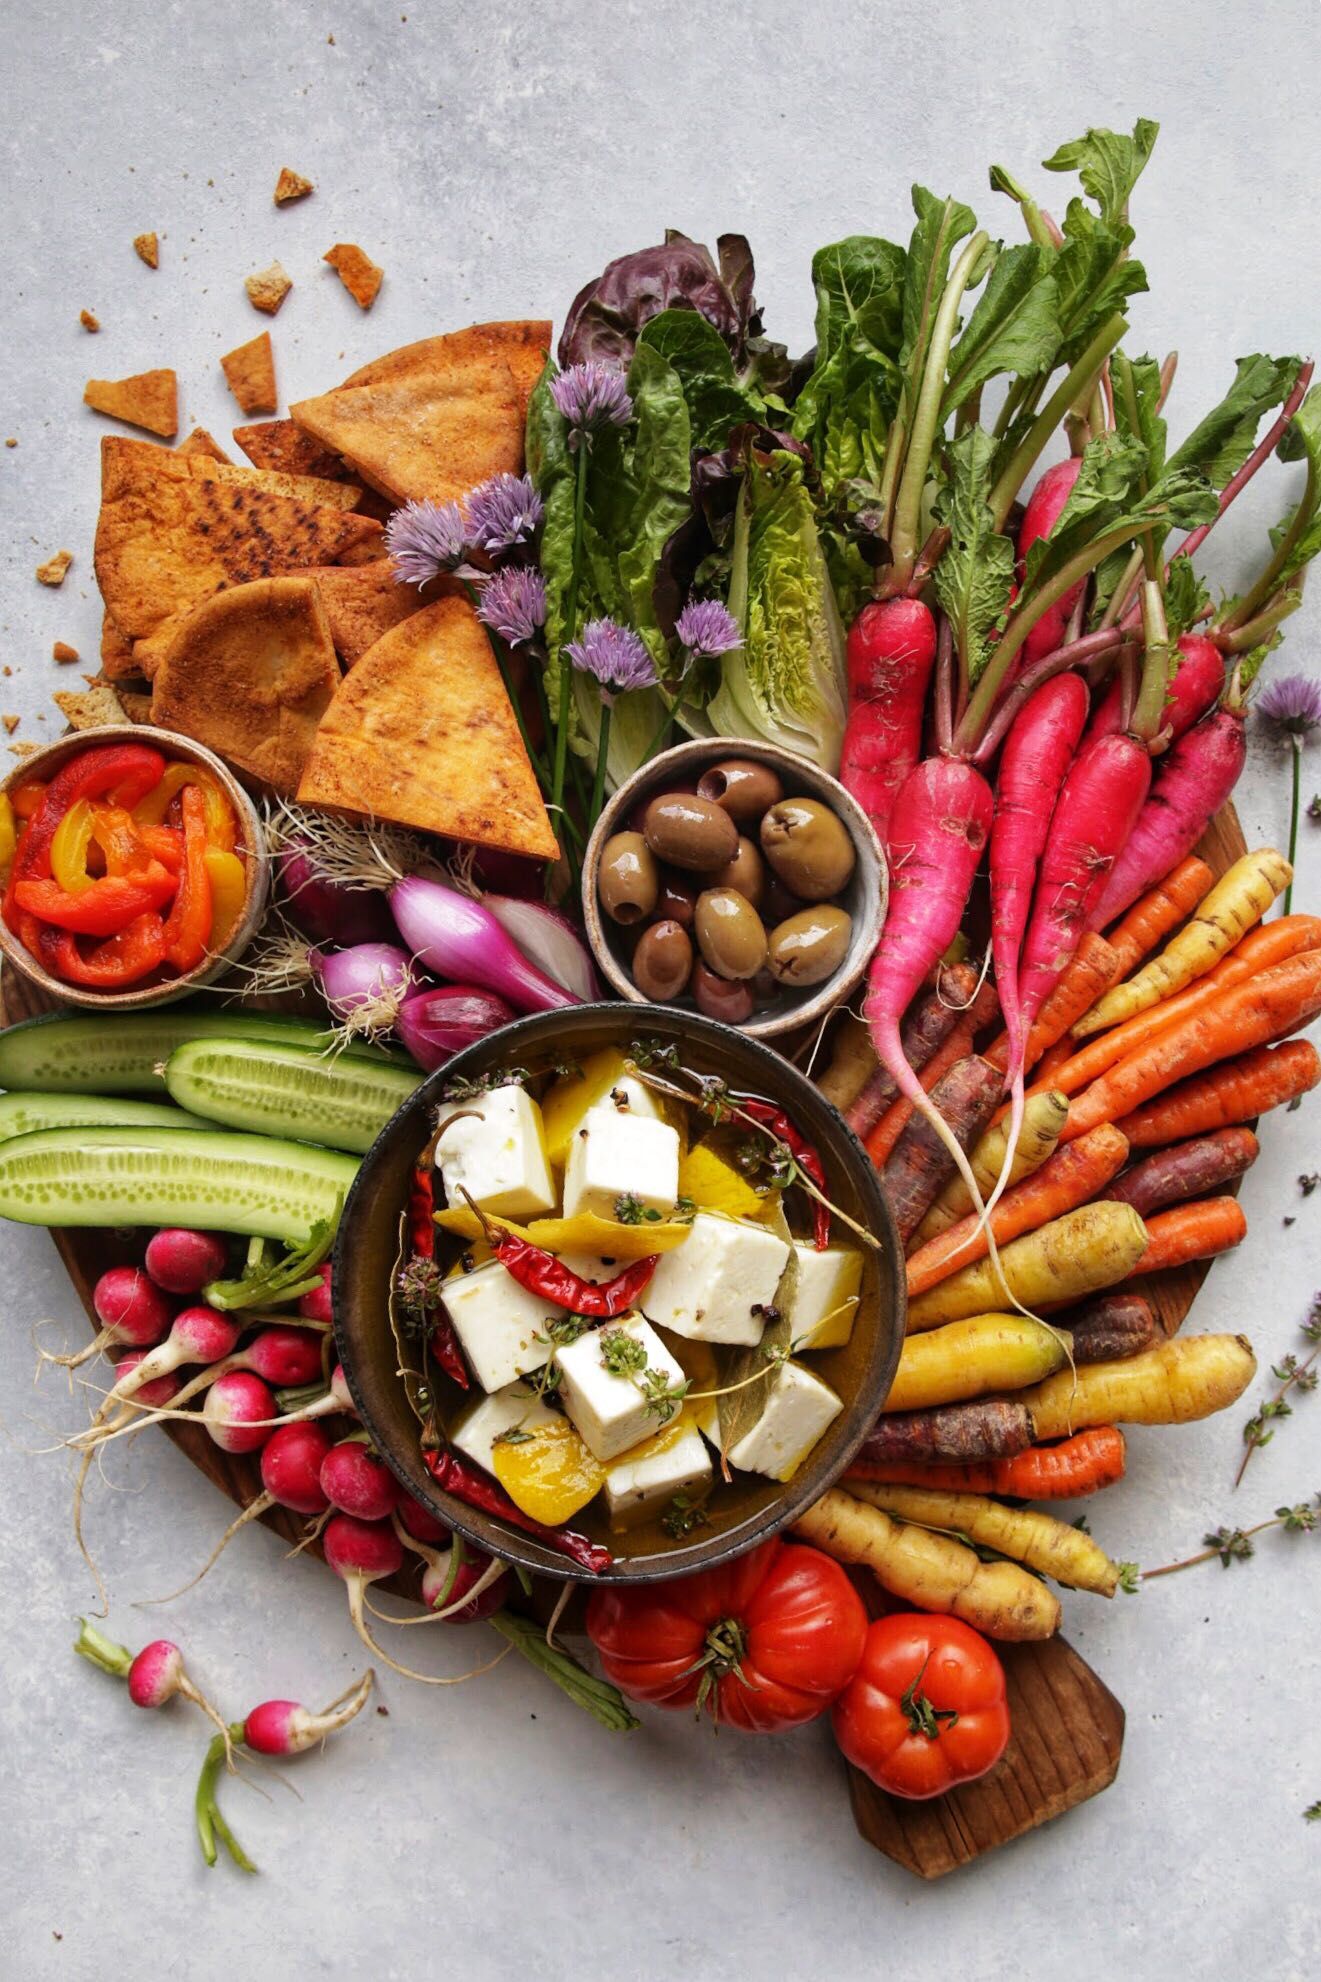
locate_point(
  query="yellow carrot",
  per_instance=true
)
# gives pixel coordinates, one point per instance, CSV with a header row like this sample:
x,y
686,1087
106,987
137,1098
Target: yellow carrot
x,y
1188,1378
1043,1118
1038,1541
1073,1256
968,1358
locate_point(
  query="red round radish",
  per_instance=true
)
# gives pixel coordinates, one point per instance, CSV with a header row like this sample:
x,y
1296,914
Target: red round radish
x,y
1044,505
153,1394
283,1727
131,1307
316,1306
197,1335
420,1522
356,1481
891,649
1192,781
469,1572
156,1674
238,1412
361,1552
285,1357
183,1261
1198,682
291,1467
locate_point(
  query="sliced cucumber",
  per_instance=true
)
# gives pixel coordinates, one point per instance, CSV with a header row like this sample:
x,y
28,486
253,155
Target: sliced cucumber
x,y
123,1176
25,1114
275,1090
94,1055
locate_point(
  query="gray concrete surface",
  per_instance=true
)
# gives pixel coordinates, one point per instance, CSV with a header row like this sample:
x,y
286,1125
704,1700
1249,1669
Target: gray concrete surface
x,y
492,157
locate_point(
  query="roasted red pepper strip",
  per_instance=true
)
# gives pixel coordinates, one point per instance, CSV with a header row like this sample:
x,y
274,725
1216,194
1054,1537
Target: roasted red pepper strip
x,y
113,965
129,770
422,1237
542,1273
188,929
804,1155
466,1483
102,909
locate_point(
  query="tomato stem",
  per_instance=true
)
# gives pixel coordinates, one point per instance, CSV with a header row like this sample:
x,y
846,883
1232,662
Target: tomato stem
x,y
922,1717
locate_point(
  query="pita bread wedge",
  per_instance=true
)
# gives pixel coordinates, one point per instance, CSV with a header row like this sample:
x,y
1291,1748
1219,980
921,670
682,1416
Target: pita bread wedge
x,y
431,427
91,707
283,447
364,601
524,346
250,674
169,536
117,662
148,399
201,442
421,734
250,374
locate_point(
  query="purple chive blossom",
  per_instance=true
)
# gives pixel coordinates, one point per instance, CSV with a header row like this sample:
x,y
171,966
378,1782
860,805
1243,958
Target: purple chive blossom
x,y
513,604
1292,706
424,539
592,395
502,513
707,629
613,653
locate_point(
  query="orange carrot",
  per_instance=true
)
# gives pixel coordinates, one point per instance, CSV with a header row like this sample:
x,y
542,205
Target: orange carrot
x,y
1159,912
881,1141
1083,1464
1200,1230
1238,1091
1066,1179
1094,969
1267,1007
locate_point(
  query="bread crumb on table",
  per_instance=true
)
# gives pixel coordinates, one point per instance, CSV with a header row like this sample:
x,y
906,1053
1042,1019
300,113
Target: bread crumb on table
x,y
147,248
52,572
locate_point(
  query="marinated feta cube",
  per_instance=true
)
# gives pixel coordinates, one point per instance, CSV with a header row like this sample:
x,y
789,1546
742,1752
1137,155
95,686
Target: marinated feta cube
x,y
824,1296
797,1409
601,1384
501,1326
716,1284
618,1154
496,1152
637,1486
485,1421
600,1077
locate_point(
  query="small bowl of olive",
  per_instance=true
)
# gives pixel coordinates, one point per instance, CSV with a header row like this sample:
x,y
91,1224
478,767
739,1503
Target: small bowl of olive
x,y
736,878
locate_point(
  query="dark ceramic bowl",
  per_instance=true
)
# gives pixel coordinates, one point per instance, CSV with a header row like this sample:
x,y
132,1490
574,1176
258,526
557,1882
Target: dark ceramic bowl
x,y
368,1244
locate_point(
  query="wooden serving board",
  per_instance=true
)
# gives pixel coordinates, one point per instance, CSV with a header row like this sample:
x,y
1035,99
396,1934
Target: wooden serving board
x,y
1068,1728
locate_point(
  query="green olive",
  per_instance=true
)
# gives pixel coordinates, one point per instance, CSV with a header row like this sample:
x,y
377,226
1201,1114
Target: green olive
x,y
729,934
745,873
720,997
690,832
627,880
744,788
808,848
662,961
811,945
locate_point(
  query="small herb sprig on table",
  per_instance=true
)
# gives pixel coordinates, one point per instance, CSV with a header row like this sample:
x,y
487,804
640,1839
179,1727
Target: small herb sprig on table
x,y
1290,1374
1230,1545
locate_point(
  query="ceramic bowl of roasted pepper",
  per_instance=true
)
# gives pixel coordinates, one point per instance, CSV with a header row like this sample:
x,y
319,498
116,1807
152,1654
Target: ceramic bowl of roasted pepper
x,y
133,868
617,1293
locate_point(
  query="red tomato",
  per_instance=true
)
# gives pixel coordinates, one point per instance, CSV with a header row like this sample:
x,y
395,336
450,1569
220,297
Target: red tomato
x,y
926,1708
764,1643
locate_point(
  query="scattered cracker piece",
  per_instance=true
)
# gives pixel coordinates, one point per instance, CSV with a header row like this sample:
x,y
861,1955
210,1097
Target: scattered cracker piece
x,y
201,442
64,653
94,707
250,374
147,399
11,443
53,570
356,271
291,186
147,249
11,723
88,321
268,289
24,749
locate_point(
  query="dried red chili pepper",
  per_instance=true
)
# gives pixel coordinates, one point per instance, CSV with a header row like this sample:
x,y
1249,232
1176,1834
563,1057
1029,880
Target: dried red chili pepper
x,y
466,1483
803,1153
543,1274
444,1342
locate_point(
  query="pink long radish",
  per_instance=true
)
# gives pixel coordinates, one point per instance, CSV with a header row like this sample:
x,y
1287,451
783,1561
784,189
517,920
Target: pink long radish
x,y
364,1552
1192,782
1198,683
282,1727
132,1310
891,649
1039,518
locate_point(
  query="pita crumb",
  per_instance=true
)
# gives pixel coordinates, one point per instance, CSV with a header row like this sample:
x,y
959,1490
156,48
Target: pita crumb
x,y
96,707
53,570
148,399
356,271
250,374
147,249
268,289
88,321
64,653
24,749
11,723
291,186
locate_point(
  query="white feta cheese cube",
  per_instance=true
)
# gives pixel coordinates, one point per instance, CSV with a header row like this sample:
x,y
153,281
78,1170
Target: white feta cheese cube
x,y
635,1487
711,1286
501,1326
496,1153
825,1295
797,1410
483,1422
610,1411
617,1153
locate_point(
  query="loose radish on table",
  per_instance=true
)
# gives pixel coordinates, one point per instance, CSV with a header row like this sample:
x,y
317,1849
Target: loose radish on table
x,y
132,1310
282,1356
155,1675
182,1262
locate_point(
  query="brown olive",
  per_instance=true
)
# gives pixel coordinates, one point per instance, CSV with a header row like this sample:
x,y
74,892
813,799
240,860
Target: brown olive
x,y
744,789
777,904
764,987
811,945
745,873
637,811
662,961
677,898
729,933
627,880
690,832
719,998
808,848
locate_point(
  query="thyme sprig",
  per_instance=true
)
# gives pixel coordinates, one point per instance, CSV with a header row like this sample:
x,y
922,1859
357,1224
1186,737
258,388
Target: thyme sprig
x,y
1290,1374
1230,1545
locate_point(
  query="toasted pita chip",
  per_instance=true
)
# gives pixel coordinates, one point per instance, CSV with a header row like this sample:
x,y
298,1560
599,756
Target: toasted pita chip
x,y
357,271
169,536
268,288
281,445
523,344
250,374
430,429
250,674
91,707
290,186
421,734
148,399
363,602
62,652
116,651
54,570
147,249
135,702
201,442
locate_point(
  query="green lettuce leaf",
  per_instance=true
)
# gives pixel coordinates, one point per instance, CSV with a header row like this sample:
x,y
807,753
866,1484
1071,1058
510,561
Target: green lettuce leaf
x,y
716,399
1108,164
975,576
847,403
